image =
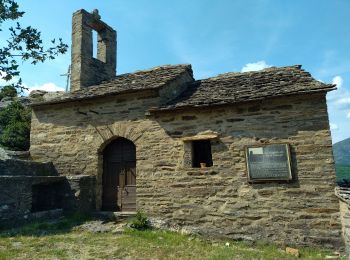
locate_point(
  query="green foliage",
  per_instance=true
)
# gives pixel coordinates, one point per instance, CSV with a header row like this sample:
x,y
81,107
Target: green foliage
x,y
341,151
140,221
343,175
8,91
23,44
15,126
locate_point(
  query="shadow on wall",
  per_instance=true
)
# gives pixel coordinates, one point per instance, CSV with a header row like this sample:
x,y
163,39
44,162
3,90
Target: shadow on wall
x,y
17,167
71,193
25,197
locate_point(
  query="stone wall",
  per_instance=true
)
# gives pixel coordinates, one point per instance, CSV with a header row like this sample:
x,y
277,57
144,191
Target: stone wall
x,y
16,195
19,194
80,193
345,219
343,193
216,201
16,167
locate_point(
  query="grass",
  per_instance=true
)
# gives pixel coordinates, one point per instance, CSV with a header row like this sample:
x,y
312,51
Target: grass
x,y
343,172
57,240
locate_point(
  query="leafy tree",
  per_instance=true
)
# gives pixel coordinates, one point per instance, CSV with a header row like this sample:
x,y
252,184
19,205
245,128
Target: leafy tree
x,y
8,91
24,44
15,126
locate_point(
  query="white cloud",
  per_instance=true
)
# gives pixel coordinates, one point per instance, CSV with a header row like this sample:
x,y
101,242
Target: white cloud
x,y
338,102
334,126
340,97
46,86
343,101
337,80
260,65
51,87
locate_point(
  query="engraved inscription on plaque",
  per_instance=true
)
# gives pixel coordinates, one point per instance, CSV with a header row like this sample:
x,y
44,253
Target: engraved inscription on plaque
x,y
268,162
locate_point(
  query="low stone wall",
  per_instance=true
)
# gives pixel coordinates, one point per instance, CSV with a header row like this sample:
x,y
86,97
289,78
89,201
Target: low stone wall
x,y
344,199
16,195
80,193
16,167
23,198
345,219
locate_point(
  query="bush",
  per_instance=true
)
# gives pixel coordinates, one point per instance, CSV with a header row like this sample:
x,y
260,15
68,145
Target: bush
x,y
15,126
8,91
16,136
140,221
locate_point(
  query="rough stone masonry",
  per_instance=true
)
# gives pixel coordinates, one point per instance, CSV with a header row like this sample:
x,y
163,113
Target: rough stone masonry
x,y
165,113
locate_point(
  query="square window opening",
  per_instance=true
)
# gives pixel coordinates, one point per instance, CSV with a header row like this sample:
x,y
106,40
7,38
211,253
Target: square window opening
x,y
46,197
201,154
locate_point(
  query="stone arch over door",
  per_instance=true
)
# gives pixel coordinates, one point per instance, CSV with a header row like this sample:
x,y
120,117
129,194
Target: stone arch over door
x,y
119,176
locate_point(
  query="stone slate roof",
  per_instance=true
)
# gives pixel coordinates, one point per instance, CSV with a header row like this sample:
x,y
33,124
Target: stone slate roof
x,y
232,88
228,88
153,78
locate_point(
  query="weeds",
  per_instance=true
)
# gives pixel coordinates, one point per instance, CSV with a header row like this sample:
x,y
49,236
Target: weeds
x,y
140,221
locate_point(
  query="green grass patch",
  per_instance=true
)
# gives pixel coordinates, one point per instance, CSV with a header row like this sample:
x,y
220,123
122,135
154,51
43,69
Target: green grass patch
x,y
60,241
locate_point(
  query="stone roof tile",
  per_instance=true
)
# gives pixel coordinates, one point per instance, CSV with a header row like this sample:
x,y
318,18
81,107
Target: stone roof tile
x,y
153,78
236,87
228,88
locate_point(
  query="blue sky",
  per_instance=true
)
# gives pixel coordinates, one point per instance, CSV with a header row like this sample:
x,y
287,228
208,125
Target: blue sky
x,y
214,36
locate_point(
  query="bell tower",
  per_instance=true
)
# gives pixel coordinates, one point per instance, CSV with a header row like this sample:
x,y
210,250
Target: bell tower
x,y
87,70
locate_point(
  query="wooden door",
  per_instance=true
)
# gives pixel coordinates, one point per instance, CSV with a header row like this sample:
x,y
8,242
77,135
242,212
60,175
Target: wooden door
x,y
119,176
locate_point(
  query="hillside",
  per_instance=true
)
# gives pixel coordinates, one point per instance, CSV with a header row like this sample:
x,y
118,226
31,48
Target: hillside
x,y
341,152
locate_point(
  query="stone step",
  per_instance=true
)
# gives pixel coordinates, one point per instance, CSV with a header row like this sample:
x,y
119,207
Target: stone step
x,y
114,215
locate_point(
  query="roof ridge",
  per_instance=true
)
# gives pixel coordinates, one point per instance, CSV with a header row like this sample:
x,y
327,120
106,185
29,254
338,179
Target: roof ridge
x,y
165,66
268,69
153,78
152,69
237,87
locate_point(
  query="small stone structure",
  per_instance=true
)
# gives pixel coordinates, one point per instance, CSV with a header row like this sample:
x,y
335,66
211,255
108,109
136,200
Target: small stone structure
x,y
144,137
343,193
34,189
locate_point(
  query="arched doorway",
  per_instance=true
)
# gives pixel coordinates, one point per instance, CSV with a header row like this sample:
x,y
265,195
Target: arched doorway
x,y
119,176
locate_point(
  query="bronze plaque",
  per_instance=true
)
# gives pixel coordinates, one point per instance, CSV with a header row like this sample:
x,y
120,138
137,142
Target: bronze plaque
x,y
268,162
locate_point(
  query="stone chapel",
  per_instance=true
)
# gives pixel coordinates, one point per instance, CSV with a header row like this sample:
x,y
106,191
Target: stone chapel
x,y
239,155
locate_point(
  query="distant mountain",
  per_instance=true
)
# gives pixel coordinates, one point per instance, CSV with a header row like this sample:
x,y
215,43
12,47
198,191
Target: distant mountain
x,y
341,152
